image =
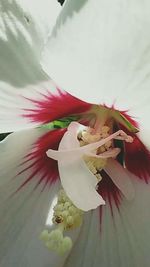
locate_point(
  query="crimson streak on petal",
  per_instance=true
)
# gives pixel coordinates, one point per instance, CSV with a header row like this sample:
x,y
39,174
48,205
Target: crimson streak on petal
x,y
55,106
137,159
42,167
137,156
109,191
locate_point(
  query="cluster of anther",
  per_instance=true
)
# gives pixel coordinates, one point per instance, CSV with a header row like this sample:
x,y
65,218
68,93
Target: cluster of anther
x,y
89,136
55,241
66,216
65,212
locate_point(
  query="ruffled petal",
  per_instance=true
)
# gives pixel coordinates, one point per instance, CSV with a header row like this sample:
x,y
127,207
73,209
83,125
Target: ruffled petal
x,y
99,52
122,240
77,180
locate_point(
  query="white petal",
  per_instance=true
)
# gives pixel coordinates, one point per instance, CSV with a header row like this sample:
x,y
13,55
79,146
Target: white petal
x,y
144,136
99,51
77,180
141,114
22,35
79,184
24,214
44,14
23,218
121,178
17,106
124,238
14,148
21,39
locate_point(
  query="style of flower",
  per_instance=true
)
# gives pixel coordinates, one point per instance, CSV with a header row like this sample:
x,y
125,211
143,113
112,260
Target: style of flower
x,y
94,151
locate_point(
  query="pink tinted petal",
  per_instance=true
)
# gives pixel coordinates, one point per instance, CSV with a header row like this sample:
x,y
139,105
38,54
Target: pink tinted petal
x,y
78,182
67,149
120,178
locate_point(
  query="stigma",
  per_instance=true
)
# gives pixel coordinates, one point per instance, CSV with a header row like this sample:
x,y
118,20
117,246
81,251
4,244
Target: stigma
x,y
97,161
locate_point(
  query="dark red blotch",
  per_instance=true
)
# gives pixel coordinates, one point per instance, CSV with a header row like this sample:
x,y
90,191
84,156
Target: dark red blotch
x,y
55,106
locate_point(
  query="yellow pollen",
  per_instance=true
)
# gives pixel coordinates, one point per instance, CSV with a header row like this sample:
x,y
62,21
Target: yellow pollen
x,y
85,137
65,212
65,217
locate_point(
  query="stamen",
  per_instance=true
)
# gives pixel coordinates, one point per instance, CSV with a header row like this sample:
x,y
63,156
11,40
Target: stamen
x,y
55,241
95,164
66,217
97,159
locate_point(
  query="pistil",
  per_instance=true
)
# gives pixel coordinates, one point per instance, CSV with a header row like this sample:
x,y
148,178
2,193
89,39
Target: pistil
x,y
96,160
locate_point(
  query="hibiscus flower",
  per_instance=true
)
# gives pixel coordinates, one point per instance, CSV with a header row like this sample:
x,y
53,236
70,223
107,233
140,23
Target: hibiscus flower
x,y
95,152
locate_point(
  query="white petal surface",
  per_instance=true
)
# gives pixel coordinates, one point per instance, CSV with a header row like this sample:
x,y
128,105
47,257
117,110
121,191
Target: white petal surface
x,y
121,178
22,36
124,240
17,105
13,149
141,114
23,215
99,51
24,26
44,14
77,180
